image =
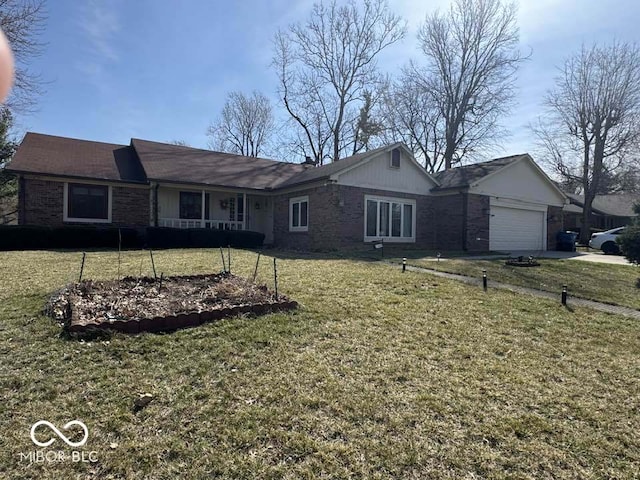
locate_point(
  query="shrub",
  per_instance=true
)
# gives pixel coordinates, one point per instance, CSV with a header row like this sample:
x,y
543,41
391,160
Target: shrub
x,y
629,242
163,237
245,239
32,237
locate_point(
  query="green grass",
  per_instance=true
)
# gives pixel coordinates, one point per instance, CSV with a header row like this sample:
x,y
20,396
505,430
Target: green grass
x,y
616,284
379,375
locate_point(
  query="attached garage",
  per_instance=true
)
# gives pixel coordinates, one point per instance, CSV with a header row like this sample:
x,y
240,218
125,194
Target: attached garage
x,y
516,229
508,204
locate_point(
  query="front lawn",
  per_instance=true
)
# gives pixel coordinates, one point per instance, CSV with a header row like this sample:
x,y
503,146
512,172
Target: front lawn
x,y
379,375
617,284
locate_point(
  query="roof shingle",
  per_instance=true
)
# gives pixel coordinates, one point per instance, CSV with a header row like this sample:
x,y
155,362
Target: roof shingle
x,y
51,155
175,163
465,176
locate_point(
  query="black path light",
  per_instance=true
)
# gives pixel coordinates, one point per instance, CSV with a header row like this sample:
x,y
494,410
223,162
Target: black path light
x,y
564,295
275,277
404,264
484,280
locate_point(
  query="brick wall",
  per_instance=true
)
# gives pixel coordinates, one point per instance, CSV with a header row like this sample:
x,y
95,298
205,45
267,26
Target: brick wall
x,y
478,214
130,206
456,233
555,224
42,204
449,222
336,218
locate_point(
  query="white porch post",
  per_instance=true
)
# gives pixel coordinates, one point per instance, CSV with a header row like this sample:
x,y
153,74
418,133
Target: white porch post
x,y
244,211
203,209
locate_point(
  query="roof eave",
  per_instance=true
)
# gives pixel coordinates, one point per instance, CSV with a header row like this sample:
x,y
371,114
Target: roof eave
x,y
75,177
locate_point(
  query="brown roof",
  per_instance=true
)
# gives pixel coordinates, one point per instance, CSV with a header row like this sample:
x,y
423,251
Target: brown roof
x,y
614,204
176,163
465,176
144,160
69,157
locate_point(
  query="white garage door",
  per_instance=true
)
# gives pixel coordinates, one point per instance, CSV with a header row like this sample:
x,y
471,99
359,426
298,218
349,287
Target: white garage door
x,y
516,229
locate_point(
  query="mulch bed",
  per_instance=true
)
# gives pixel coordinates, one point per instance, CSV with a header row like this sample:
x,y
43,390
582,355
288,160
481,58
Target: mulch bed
x,y
135,305
522,262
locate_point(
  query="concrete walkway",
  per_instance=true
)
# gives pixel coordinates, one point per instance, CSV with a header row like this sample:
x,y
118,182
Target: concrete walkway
x,y
581,302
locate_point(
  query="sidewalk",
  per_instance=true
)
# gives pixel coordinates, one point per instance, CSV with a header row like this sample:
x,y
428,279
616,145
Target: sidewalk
x,y
581,302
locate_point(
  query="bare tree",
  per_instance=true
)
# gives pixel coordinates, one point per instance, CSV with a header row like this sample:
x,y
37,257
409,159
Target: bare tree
x,y
592,123
324,68
244,126
411,115
466,86
179,143
22,21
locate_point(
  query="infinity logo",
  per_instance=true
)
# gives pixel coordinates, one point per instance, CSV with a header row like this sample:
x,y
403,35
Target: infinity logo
x,y
59,433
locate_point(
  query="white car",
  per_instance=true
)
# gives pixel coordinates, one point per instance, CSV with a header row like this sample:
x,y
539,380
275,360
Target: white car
x,y
606,241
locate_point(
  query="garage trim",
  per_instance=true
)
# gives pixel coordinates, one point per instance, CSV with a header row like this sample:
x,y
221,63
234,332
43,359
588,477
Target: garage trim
x,y
515,204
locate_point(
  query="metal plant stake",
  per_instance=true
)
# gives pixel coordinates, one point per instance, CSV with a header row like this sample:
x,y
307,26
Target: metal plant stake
x,y
82,266
153,265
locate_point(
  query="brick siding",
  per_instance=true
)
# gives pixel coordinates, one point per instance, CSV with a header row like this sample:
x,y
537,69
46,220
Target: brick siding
x,y
42,204
478,216
130,206
336,218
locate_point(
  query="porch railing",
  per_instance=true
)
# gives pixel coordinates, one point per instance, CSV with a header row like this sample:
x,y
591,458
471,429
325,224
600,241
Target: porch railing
x,y
197,223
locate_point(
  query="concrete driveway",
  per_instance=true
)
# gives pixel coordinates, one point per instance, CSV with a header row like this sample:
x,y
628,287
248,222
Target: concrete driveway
x,y
594,256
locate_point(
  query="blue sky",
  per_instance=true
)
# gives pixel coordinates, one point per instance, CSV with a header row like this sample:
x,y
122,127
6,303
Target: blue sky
x,y
160,69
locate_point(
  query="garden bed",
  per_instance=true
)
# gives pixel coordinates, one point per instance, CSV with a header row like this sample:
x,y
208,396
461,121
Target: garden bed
x,y
135,305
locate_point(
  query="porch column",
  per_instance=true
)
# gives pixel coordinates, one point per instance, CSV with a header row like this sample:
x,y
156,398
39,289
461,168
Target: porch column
x,y
203,209
244,211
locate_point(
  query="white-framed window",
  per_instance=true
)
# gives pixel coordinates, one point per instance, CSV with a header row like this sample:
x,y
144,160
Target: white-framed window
x,y
87,203
299,214
388,218
394,159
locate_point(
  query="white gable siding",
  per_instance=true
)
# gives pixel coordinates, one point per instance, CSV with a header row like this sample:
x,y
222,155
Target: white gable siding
x,y
522,182
378,174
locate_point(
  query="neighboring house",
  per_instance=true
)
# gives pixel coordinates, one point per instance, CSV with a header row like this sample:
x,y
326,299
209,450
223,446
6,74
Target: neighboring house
x,y
607,211
381,194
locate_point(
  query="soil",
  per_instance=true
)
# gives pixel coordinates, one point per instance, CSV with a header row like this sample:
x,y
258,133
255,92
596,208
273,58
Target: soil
x,y
139,298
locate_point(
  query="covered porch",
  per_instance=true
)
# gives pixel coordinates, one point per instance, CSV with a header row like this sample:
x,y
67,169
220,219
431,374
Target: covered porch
x,y
189,207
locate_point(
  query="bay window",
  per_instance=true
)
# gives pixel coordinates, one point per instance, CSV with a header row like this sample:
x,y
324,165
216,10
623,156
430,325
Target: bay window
x,y
390,219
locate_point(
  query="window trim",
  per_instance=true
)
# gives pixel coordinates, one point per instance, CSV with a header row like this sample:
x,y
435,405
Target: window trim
x,y
298,200
391,200
65,204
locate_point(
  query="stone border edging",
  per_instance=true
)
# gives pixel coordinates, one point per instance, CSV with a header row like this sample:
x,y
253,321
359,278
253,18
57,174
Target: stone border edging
x,y
181,320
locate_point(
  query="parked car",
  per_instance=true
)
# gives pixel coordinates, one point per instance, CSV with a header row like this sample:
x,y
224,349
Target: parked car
x,y
606,241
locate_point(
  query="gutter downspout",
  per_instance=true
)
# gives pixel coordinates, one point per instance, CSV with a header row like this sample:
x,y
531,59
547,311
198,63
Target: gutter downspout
x,y
465,218
21,201
154,204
